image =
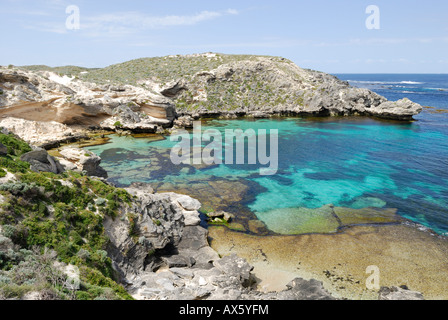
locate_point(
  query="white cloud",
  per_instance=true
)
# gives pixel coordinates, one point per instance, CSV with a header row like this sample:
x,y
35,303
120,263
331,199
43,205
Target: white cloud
x,y
232,11
113,25
129,22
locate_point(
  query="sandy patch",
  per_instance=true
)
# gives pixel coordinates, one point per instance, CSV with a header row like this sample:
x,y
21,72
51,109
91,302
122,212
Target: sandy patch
x,y
404,255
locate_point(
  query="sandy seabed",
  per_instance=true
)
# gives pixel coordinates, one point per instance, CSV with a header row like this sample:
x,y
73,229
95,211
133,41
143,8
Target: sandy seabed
x,y
404,254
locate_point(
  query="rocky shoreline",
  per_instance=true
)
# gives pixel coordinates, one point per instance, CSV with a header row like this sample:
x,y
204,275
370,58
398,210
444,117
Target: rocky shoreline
x,y
157,246
160,251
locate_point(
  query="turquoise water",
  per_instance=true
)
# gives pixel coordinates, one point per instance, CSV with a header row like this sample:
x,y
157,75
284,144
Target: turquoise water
x,y
353,163
347,162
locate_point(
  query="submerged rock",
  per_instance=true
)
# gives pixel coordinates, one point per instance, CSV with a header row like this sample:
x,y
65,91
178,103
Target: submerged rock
x,y
327,219
300,220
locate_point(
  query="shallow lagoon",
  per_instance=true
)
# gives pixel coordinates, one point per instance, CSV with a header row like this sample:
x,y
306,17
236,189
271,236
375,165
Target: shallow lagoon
x,y
324,163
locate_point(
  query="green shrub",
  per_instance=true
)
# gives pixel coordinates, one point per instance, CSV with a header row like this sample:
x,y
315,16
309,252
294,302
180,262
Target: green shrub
x,y
12,290
15,146
14,165
40,211
94,277
82,295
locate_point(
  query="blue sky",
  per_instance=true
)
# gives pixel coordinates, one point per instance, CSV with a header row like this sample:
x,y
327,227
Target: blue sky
x,y
326,35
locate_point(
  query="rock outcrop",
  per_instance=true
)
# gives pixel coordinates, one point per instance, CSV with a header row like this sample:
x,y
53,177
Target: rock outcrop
x,y
82,161
45,134
159,255
41,161
399,293
175,90
45,96
153,235
266,86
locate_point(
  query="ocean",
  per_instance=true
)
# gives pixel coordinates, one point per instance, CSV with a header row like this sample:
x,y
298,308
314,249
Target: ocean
x,y
357,163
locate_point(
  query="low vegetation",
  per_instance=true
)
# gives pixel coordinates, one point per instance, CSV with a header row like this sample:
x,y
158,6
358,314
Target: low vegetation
x,y
48,220
244,89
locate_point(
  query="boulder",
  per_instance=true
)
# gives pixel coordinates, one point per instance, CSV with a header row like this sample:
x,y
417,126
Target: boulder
x,y
84,161
302,289
186,202
140,189
67,165
41,161
403,109
3,150
399,293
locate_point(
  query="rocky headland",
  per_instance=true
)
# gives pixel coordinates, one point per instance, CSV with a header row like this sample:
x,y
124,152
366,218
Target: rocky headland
x,y
46,105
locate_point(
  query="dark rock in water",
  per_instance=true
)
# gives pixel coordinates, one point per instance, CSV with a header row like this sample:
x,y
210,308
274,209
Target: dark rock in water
x,y
399,293
221,215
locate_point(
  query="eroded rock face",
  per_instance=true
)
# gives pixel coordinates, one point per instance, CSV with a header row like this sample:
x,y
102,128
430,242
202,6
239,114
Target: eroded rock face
x,y
152,223
151,235
3,150
40,133
77,103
